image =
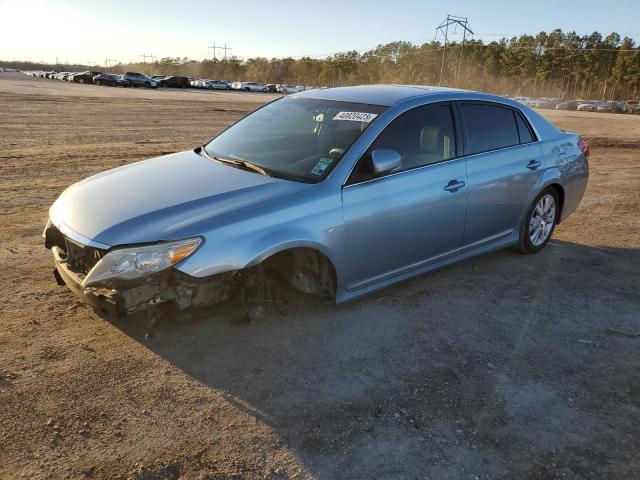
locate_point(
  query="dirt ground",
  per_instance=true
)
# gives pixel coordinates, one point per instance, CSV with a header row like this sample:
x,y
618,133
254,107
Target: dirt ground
x,y
501,367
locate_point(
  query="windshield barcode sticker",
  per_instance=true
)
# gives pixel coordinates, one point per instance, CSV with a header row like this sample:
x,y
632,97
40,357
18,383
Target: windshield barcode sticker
x,y
355,116
321,166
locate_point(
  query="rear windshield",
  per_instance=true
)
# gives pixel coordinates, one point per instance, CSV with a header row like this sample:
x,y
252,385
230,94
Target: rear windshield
x,y
295,138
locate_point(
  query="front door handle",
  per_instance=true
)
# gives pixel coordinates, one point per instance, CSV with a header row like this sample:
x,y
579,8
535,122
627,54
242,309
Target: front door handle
x,y
533,164
454,185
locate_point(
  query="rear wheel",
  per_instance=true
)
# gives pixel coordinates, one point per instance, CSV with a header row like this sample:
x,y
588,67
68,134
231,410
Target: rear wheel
x,y
538,225
147,85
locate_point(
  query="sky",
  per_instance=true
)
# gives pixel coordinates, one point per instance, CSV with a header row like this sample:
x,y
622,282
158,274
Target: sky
x,y
90,31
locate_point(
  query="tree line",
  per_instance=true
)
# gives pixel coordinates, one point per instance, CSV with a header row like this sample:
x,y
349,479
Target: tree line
x,y
555,64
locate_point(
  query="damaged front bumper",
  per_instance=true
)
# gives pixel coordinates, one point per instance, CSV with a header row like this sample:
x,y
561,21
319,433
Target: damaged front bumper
x,y
118,298
169,287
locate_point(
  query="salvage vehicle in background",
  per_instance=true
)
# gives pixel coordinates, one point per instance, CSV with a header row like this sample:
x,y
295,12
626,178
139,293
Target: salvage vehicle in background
x,y
290,89
139,80
568,105
84,77
250,86
197,82
633,108
340,192
604,107
216,85
174,82
110,80
587,107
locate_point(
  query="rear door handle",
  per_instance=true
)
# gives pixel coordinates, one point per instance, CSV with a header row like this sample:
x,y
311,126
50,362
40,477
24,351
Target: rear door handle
x,y
533,164
454,185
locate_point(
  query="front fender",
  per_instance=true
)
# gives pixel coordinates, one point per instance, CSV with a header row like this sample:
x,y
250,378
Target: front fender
x,y
310,219
289,245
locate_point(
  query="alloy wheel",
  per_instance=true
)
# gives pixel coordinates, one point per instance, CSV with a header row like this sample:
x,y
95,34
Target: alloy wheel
x,y
542,220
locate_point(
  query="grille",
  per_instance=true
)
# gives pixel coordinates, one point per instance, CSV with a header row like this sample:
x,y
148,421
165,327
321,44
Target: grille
x,y
79,258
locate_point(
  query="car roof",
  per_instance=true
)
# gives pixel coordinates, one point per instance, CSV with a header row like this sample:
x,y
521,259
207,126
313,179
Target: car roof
x,y
391,95
384,95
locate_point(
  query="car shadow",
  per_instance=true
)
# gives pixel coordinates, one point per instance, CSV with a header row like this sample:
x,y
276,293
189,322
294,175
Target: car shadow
x,y
420,379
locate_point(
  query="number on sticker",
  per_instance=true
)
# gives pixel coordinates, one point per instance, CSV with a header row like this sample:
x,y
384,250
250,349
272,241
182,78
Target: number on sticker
x,y
355,116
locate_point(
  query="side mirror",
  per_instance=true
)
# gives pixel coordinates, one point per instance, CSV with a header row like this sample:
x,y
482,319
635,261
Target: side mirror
x,y
385,161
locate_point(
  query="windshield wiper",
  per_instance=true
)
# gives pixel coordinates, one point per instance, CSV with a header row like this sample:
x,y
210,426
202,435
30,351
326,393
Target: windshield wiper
x,y
243,164
252,166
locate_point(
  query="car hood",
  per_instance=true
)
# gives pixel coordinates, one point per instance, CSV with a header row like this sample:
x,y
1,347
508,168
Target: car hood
x,y
169,197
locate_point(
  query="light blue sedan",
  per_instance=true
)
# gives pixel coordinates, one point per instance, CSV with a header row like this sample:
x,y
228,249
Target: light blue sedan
x,y
340,192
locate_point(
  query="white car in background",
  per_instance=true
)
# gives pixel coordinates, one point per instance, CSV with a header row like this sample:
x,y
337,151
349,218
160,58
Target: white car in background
x,y
216,85
587,107
290,89
250,86
198,82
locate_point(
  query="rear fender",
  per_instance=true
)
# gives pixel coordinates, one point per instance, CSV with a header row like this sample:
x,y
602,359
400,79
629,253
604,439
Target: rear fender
x,y
550,177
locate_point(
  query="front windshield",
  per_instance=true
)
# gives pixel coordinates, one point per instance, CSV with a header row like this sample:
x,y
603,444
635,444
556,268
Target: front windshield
x,y
295,138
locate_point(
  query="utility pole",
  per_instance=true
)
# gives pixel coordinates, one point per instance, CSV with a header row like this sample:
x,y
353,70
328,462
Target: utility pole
x,y
109,62
144,57
443,28
606,79
225,50
215,49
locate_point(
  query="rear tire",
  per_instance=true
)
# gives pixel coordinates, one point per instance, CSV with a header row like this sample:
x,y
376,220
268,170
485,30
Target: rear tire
x,y
540,222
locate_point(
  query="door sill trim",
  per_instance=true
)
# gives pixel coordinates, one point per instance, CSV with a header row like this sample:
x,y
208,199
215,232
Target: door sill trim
x,y
352,287
485,241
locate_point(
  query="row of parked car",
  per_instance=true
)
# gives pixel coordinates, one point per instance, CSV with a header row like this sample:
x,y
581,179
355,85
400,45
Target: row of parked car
x,y
615,106
134,79
247,86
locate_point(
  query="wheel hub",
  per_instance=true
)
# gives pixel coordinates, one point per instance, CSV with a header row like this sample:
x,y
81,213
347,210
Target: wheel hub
x,y
542,220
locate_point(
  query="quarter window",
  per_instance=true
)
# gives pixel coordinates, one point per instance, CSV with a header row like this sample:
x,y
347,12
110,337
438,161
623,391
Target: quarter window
x,y
523,129
489,127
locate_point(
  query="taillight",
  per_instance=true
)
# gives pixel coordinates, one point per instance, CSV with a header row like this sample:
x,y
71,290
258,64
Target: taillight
x,y
583,146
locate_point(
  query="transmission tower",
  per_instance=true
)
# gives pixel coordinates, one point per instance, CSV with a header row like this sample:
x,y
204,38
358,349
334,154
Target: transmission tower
x,y
144,57
443,28
110,62
215,48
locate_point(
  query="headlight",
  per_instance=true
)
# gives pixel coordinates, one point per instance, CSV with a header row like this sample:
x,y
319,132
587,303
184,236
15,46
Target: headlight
x,y
136,262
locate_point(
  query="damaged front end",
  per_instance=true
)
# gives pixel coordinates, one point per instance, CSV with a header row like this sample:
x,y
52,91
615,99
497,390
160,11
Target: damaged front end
x,y
76,266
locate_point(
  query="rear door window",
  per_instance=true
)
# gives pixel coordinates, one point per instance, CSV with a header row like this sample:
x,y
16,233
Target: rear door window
x,y
489,127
